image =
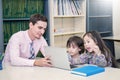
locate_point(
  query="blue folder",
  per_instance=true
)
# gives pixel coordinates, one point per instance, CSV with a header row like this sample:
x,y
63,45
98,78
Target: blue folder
x,y
88,70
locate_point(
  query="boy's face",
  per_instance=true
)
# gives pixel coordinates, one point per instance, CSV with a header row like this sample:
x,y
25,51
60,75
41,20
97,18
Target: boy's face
x,y
73,50
38,29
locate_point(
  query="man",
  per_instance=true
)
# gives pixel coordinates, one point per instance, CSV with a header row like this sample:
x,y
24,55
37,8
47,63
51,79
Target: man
x,y
23,46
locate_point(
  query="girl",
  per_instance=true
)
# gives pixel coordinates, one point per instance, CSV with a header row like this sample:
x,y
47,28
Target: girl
x,y
75,47
97,52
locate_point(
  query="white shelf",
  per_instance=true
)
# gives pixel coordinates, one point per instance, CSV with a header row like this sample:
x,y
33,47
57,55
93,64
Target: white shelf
x,y
66,24
60,16
68,33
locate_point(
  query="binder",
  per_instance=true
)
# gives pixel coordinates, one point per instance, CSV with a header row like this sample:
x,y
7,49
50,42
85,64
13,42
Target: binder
x,y
87,70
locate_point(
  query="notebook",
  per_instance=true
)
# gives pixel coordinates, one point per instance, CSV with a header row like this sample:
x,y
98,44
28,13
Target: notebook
x,y
88,70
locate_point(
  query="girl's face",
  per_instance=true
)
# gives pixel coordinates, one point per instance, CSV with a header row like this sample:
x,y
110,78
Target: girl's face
x,y
89,44
73,50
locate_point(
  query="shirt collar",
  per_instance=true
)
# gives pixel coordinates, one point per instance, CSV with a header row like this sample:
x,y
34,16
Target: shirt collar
x,y
27,36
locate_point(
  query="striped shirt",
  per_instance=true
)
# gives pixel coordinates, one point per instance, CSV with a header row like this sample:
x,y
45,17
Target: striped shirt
x,y
18,51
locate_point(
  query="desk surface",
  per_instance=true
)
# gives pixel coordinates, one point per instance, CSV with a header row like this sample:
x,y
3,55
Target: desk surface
x,y
114,38
46,73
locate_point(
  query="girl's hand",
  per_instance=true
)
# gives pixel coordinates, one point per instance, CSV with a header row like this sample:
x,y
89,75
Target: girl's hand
x,y
96,50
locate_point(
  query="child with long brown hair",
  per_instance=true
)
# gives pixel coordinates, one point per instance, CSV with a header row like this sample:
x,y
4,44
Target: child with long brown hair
x,y
97,52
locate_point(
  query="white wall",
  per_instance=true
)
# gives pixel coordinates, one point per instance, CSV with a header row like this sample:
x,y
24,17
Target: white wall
x,y
116,25
116,17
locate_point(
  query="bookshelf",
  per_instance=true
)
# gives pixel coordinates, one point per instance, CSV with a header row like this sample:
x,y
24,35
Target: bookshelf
x,y
99,16
67,18
16,16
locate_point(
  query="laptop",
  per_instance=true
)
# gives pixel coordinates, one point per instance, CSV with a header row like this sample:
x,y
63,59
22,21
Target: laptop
x,y
58,56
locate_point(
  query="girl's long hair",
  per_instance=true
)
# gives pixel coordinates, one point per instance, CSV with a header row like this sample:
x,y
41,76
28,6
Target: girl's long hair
x,y
104,49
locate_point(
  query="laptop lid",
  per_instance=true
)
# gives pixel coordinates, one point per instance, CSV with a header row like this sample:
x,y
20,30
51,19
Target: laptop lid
x,y
58,56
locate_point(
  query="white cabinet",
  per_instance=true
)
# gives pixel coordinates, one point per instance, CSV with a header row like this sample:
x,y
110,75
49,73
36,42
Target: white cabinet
x,y
67,18
116,26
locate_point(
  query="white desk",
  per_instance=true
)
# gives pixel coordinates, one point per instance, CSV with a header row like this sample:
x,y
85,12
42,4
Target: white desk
x,y
46,73
112,38
113,44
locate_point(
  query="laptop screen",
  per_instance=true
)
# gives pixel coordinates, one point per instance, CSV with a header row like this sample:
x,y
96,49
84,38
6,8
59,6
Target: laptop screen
x,y
58,56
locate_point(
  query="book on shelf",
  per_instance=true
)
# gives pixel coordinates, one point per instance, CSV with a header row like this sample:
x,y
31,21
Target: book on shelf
x,y
88,70
67,7
24,9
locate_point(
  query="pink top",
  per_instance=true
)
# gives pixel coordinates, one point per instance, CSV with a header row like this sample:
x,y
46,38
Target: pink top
x,y
18,49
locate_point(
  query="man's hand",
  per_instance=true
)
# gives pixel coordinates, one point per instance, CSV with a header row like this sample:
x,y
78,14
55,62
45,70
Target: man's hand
x,y
43,62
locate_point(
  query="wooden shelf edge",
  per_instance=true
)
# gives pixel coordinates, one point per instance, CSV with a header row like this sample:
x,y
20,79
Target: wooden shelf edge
x,y
69,16
67,33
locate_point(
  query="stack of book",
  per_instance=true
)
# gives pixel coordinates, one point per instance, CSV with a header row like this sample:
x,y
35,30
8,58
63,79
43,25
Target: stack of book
x,y
68,7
